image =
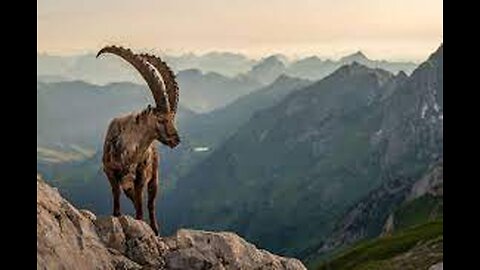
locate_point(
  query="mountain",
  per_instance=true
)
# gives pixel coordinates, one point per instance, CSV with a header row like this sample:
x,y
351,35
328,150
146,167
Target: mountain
x,y
87,67
395,206
413,121
358,57
288,157
205,132
53,65
314,68
410,238
75,174
284,165
77,113
69,238
293,170
267,70
394,67
210,129
418,247
72,118
52,78
204,92
224,63
201,91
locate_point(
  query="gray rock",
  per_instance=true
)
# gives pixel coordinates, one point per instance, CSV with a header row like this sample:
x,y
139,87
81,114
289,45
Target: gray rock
x,y
88,214
68,238
389,225
431,183
191,249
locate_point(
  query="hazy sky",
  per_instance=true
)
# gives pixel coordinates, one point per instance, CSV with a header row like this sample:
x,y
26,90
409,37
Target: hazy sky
x,y
389,29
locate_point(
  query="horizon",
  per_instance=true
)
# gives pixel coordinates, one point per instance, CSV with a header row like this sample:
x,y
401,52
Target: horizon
x,y
388,30
290,58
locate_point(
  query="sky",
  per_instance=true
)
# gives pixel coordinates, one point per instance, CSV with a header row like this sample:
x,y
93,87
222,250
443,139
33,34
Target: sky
x,y
382,29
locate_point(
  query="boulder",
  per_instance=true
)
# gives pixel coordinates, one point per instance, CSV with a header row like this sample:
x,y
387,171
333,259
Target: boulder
x,y
68,238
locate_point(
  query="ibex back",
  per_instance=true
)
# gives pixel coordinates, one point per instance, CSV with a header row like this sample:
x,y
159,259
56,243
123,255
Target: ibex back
x,y
130,158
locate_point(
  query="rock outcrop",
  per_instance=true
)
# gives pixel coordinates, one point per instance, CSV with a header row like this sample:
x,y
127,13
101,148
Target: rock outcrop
x,y
68,238
431,183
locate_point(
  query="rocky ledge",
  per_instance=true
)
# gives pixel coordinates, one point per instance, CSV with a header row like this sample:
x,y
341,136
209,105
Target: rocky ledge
x,y
68,238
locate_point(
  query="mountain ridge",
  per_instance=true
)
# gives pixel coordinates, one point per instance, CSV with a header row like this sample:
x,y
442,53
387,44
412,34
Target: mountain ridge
x,y
425,86
225,63
292,169
284,152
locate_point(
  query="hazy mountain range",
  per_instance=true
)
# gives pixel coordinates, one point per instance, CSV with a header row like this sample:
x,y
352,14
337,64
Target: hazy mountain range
x,y
204,92
208,81
60,137
301,158
101,71
292,170
77,112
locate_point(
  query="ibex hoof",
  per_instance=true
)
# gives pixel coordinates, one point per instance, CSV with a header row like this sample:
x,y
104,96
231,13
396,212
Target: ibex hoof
x,y
117,214
154,228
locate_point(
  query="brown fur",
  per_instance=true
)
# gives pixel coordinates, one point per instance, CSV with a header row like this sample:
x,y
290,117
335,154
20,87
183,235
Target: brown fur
x,y
130,158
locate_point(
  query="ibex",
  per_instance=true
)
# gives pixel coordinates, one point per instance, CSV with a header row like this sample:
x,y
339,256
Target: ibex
x,y
130,159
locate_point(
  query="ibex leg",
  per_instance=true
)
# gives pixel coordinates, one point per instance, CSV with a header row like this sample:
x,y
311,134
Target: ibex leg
x,y
138,193
116,200
115,185
152,194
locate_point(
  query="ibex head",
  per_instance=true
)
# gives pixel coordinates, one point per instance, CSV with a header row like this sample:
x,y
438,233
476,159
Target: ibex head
x,y
165,129
164,88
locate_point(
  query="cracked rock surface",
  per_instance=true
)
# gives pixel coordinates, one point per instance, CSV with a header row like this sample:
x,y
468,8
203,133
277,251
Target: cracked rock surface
x,y
68,238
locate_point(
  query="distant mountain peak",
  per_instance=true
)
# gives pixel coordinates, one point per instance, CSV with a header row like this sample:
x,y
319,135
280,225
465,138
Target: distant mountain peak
x,y
401,74
283,78
358,56
190,71
354,67
438,53
272,59
436,58
267,70
313,57
355,63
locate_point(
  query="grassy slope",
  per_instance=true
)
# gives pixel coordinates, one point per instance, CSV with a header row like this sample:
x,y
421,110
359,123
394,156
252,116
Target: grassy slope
x,y
418,211
414,248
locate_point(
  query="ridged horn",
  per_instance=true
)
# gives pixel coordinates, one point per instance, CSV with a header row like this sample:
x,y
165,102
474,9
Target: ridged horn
x,y
168,78
147,70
